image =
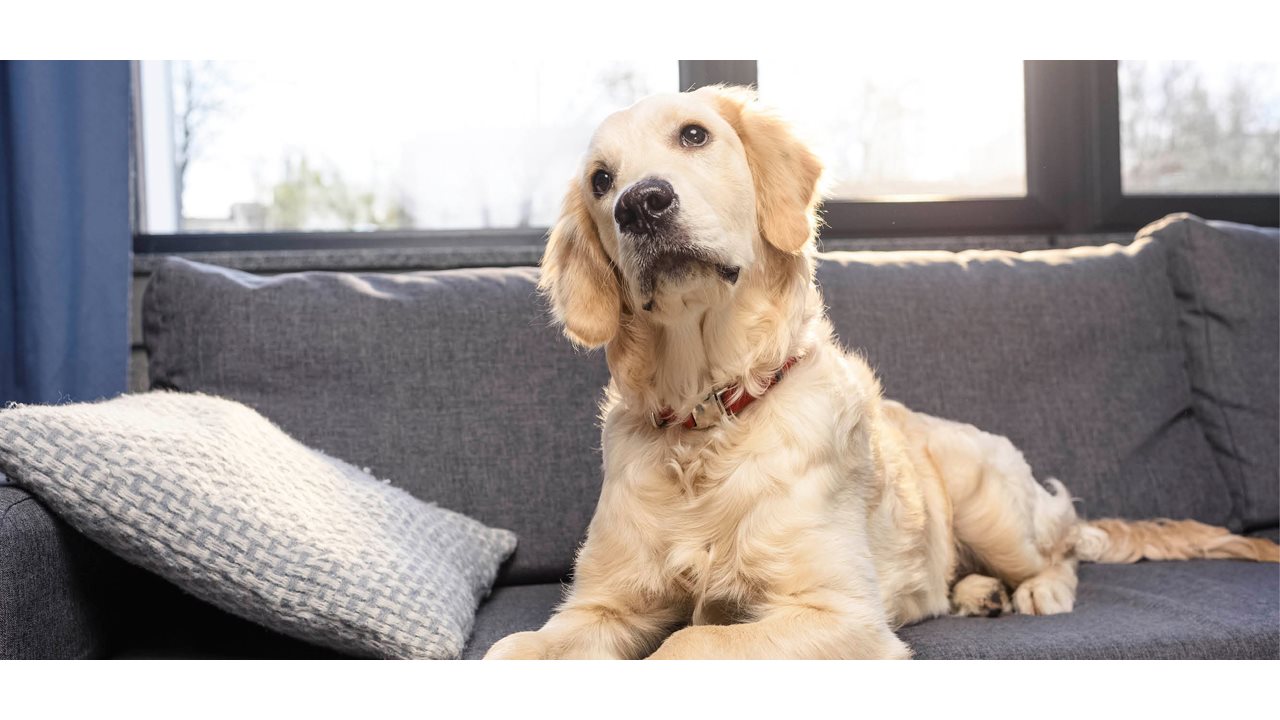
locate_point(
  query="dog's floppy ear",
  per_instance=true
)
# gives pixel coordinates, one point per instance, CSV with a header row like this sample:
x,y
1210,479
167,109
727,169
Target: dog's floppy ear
x,y
579,278
784,171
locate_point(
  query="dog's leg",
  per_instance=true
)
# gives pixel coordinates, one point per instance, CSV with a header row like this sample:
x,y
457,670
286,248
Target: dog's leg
x,y
1012,526
979,596
587,630
811,627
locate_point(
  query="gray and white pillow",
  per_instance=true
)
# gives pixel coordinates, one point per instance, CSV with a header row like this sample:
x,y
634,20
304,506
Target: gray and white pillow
x,y
213,497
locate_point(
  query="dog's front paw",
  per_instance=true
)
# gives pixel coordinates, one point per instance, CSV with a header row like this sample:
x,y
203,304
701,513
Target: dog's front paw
x,y
979,596
1043,595
519,646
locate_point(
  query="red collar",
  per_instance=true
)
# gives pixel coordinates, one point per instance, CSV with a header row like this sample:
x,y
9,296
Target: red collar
x,y
713,406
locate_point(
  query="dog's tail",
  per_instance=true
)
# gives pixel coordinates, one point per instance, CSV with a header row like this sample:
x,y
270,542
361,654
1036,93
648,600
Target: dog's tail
x,y
1128,541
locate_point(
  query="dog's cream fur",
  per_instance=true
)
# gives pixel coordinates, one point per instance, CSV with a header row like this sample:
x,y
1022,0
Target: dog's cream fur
x,y
822,517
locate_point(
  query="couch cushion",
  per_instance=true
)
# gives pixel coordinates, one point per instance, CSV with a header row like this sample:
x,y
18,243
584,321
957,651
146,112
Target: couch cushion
x,y
1201,609
454,383
1225,276
1073,354
1210,609
208,494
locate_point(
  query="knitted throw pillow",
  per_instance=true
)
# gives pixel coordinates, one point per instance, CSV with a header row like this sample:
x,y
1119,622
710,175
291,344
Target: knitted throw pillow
x,y
219,501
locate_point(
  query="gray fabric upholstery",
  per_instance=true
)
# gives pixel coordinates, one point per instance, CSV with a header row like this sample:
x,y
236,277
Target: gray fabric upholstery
x,y
1227,280
210,495
50,607
1203,609
1073,354
454,383
1175,610
511,609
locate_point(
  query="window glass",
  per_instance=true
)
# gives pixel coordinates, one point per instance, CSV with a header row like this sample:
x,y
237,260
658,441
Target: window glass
x,y
1199,127
271,146
920,130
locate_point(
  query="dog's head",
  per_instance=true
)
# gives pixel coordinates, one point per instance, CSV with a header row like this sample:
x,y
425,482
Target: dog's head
x,y
678,197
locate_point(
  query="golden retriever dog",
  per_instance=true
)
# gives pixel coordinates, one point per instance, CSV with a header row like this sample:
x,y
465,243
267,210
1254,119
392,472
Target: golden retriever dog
x,y
760,498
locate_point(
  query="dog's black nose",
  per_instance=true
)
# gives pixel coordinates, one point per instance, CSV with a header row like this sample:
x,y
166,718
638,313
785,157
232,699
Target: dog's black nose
x,y
645,207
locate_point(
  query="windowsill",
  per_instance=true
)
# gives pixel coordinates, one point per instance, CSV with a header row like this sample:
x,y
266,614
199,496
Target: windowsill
x,y
351,259
444,258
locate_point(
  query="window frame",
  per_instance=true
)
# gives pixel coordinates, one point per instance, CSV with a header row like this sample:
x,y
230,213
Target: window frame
x,y
1072,115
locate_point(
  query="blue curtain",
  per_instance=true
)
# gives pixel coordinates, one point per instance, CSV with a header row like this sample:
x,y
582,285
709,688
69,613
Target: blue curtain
x,y
65,238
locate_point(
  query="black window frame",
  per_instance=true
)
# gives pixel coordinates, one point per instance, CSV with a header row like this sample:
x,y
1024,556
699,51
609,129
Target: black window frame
x,y
1072,113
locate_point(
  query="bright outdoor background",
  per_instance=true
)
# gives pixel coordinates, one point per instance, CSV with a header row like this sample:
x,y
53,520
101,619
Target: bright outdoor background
x,y
908,129
1202,127
253,147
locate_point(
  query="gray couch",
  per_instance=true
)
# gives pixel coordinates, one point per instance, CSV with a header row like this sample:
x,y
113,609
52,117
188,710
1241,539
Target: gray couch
x,y
1145,377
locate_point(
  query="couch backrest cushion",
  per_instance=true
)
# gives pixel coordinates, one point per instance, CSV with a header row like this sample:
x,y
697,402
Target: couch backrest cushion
x,y
453,385
456,387
1227,280
1073,354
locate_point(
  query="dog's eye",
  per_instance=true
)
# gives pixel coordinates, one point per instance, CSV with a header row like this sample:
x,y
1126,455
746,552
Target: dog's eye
x,y
693,136
601,182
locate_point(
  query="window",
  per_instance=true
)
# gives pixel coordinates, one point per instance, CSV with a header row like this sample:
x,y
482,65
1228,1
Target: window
x,y
337,146
1195,127
308,155
908,130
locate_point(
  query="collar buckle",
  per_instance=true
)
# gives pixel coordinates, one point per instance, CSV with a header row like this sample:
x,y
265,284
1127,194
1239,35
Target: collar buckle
x,y
710,411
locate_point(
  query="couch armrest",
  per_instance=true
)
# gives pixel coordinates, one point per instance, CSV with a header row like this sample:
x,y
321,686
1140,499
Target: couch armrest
x,y
50,590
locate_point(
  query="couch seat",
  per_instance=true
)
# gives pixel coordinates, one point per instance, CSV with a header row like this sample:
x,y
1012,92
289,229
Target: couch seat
x,y
1152,610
